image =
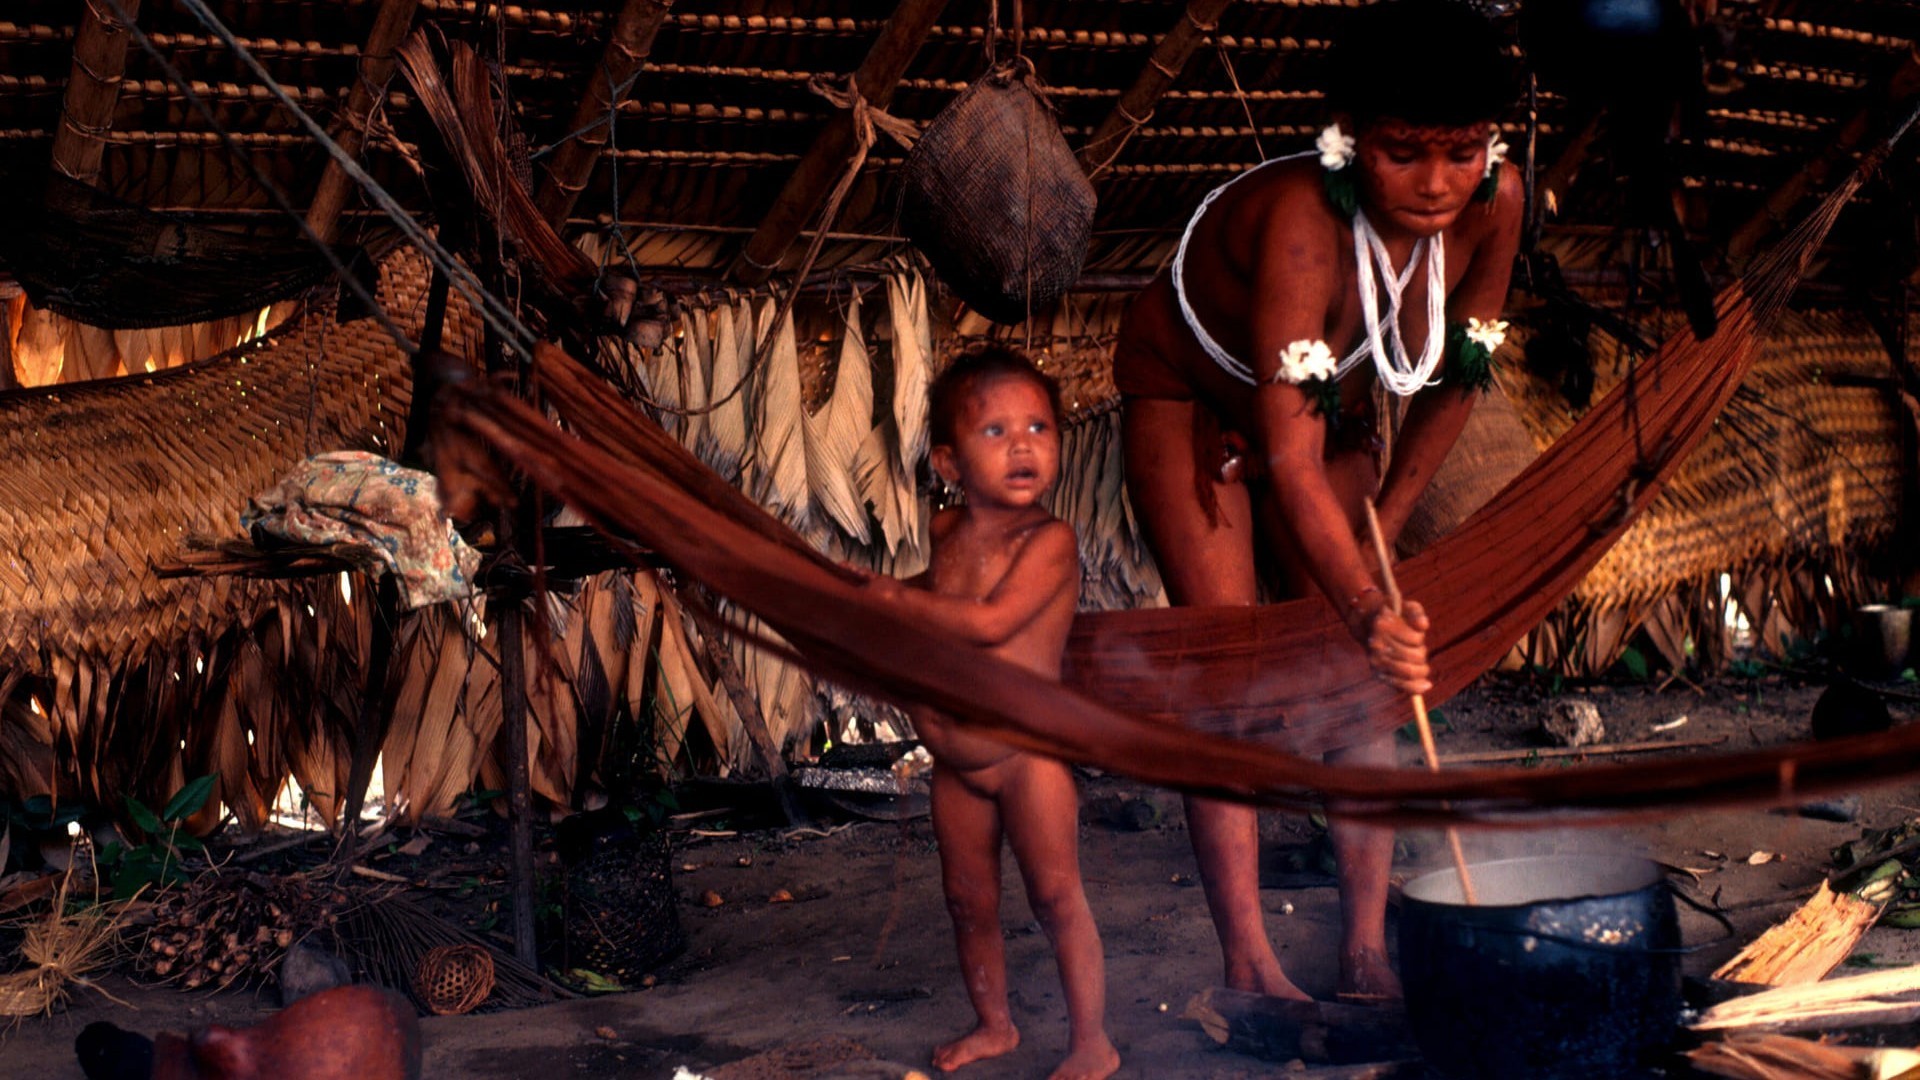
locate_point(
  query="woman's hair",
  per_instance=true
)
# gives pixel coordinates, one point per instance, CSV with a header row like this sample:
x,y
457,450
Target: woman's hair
x,y
967,371
1428,62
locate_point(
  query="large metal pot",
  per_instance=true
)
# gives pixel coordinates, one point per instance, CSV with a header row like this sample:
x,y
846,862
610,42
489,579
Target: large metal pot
x,y
1568,967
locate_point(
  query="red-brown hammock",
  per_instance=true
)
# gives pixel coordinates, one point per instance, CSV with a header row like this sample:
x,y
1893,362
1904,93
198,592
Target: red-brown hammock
x,y
1280,677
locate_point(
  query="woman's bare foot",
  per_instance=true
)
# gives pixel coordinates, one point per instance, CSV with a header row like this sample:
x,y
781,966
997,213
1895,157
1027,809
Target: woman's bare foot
x,y
1264,977
1365,976
977,1045
1095,1062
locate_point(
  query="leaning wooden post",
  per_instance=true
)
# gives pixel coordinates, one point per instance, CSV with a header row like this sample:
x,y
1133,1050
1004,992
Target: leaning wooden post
x,y
592,125
1169,58
390,24
93,89
1898,89
827,158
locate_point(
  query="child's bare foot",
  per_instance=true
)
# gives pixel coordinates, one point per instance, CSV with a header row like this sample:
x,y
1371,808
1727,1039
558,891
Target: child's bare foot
x,y
1095,1062
977,1045
1366,978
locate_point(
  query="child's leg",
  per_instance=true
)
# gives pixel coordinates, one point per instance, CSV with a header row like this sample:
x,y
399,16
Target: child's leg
x,y
1041,811
967,825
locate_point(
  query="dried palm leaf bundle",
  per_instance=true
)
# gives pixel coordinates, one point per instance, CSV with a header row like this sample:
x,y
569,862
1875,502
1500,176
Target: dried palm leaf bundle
x,y
389,938
780,452
835,431
63,949
225,928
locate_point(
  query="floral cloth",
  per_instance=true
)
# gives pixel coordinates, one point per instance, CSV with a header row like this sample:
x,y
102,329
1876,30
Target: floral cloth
x,y
356,497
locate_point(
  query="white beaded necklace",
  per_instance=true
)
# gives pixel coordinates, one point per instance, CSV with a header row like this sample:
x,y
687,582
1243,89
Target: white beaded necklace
x,y
1373,267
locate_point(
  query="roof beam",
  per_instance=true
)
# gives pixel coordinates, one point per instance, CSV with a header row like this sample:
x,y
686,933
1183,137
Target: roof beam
x,y
1901,85
390,24
628,44
1136,106
93,89
878,74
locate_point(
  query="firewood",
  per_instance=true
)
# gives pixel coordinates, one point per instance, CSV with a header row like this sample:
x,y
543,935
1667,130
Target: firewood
x,y
1751,1056
1281,1029
1880,997
1807,945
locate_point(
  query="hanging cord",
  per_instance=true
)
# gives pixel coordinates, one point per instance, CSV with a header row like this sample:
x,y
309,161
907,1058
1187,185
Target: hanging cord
x,y
490,309
869,123
1246,106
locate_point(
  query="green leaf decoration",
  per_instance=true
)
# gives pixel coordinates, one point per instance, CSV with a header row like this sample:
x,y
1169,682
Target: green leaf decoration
x,y
1489,188
147,821
1325,395
1343,191
189,799
1469,364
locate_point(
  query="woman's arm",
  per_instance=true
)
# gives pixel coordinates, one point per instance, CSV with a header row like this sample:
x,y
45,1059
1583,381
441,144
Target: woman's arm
x,y
1296,277
1436,417
1046,565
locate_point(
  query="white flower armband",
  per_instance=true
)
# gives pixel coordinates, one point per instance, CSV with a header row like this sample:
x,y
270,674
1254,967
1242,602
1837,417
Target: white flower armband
x,y
1472,345
1310,365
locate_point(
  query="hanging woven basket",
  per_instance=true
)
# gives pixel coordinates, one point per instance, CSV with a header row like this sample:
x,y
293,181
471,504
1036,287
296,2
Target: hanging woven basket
x,y
996,200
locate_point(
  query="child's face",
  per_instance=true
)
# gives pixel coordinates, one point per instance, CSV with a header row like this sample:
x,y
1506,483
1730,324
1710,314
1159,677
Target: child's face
x,y
1006,444
1418,179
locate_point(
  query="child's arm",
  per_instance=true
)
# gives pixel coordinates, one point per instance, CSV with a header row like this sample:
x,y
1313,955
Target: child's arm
x,y
1046,565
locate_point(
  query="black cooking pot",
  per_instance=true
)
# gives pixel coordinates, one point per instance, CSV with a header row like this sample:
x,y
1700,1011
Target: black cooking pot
x,y
1568,967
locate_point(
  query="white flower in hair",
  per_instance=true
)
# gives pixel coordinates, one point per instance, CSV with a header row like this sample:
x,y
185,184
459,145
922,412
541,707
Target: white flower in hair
x,y
1336,148
1496,151
1304,360
1488,335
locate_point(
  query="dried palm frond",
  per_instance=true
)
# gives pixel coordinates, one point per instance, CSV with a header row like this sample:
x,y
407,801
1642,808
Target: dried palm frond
x,y
389,936
834,434
63,949
912,365
694,355
727,423
778,411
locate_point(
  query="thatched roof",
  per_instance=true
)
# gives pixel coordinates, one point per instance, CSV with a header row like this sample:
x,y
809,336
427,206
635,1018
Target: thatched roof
x,y
722,114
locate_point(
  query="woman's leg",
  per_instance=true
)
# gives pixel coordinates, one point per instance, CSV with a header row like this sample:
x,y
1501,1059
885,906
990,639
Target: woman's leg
x,y
1363,854
1208,562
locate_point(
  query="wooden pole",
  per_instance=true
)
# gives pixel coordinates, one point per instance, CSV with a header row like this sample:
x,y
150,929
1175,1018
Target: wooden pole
x,y
1900,86
755,721
817,172
628,45
93,89
513,715
390,24
1135,106
1420,720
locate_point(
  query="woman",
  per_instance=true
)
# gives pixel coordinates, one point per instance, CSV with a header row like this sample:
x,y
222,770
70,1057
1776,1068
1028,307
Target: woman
x,y
1334,316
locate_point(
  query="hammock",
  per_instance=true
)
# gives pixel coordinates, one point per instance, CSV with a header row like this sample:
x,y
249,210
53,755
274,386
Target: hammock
x,y
1283,677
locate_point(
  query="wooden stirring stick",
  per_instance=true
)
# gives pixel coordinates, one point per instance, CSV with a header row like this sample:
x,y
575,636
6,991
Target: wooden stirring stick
x,y
1419,702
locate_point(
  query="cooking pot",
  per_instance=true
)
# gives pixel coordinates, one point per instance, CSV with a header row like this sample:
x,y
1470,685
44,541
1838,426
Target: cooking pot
x,y
1568,967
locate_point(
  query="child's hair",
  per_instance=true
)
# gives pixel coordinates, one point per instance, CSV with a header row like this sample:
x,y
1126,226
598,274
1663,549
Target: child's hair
x,y
967,371
1428,62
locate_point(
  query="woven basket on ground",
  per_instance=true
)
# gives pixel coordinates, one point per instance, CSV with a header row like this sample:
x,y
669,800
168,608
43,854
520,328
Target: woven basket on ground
x,y
454,979
621,918
995,198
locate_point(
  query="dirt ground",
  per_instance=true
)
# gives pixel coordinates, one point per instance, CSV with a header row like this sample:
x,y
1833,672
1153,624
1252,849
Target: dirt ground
x,y
863,953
